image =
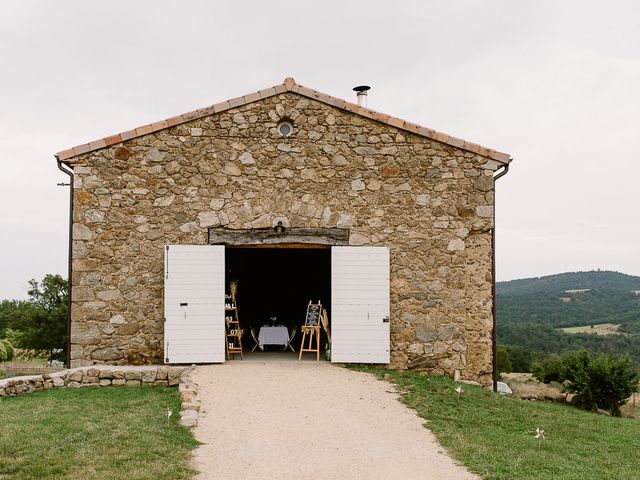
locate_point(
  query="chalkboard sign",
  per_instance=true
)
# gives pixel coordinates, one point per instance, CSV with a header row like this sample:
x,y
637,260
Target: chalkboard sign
x,y
313,314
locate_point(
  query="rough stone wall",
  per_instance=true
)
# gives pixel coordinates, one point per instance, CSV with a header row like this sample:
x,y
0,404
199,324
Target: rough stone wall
x,y
95,376
117,376
430,203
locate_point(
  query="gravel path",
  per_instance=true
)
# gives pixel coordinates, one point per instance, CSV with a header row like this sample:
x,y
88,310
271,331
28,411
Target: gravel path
x,y
306,420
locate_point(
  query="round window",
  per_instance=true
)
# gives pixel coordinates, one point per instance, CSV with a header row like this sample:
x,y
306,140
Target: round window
x,y
285,128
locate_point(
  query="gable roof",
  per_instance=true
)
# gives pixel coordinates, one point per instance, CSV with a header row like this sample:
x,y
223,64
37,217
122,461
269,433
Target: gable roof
x,y
289,85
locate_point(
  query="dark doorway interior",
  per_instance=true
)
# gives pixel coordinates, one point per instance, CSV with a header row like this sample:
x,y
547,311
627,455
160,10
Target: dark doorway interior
x,y
278,282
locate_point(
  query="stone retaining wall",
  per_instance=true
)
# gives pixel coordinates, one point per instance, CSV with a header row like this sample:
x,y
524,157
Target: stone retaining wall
x,y
104,376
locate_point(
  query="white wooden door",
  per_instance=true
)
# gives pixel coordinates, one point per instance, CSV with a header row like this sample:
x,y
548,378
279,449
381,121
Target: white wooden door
x,y
360,304
194,288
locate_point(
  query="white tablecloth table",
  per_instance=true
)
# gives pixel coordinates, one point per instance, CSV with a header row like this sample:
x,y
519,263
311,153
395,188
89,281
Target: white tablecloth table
x,y
273,336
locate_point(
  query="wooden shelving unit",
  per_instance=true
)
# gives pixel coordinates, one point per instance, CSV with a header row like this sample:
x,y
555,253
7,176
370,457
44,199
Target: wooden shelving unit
x,y
233,330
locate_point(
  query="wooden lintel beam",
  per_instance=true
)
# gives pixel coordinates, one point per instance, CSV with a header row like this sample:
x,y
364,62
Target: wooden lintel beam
x,y
268,236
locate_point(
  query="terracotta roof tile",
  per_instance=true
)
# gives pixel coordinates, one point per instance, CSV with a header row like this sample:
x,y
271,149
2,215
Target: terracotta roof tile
x,y
252,97
267,92
143,130
335,102
425,132
499,156
80,149
221,107
236,102
381,117
200,112
351,107
456,142
112,140
440,137
161,125
412,127
173,121
395,122
288,85
97,144
66,153
128,135
186,117
473,147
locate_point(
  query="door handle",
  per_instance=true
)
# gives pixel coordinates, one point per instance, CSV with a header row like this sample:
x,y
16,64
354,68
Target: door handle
x,y
183,304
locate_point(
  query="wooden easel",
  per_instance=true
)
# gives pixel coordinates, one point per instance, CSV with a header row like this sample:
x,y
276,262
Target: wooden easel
x,y
312,328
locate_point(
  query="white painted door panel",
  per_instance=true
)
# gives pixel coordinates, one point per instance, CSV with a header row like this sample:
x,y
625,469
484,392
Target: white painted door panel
x,y
194,287
360,304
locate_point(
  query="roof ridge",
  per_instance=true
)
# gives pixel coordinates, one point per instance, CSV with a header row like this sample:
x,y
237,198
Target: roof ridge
x,y
288,85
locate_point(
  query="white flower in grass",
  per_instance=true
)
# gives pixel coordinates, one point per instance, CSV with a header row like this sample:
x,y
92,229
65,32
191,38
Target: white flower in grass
x,y
459,390
539,435
169,413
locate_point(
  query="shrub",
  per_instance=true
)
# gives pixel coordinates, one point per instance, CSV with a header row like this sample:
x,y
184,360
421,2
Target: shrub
x,y
3,353
503,360
521,359
11,352
548,370
603,381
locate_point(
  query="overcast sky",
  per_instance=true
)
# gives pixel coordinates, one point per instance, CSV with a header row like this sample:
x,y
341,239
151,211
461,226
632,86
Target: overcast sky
x,y
554,83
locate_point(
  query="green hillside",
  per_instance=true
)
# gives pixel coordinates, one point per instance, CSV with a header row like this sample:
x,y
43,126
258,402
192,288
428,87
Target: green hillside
x,y
600,279
530,311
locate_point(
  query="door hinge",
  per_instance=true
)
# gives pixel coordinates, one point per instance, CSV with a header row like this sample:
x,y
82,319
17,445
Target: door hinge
x,y
166,267
385,319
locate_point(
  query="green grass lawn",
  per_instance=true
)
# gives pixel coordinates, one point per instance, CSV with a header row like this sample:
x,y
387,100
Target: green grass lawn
x,y
94,433
493,435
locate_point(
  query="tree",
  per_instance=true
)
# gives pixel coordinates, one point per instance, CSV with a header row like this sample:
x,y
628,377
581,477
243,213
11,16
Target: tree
x,y
7,351
40,323
8,310
601,381
521,359
50,294
503,361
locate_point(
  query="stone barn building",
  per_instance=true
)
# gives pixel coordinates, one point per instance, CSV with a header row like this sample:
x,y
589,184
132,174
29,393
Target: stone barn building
x,y
297,196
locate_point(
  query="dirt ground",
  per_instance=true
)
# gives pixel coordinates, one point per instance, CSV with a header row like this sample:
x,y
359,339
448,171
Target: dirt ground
x,y
290,420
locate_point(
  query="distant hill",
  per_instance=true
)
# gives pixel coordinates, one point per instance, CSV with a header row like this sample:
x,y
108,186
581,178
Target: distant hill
x,y
607,297
600,279
530,311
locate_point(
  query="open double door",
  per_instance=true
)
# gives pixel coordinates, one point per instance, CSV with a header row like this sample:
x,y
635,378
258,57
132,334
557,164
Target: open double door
x,y
194,298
